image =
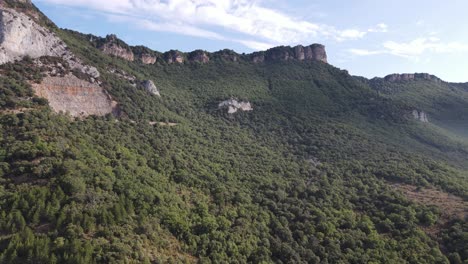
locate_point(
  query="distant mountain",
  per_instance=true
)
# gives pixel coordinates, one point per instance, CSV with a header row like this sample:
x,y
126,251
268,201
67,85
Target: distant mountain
x,y
117,154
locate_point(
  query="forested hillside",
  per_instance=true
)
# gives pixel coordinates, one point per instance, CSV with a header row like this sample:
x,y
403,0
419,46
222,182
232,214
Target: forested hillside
x,y
326,168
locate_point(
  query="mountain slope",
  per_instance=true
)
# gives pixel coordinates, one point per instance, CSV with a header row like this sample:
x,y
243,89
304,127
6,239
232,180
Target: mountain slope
x,y
307,176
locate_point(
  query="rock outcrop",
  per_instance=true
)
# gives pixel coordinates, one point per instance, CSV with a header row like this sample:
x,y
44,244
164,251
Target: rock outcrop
x,y
314,52
404,77
174,56
77,97
233,106
151,87
148,58
20,36
115,47
227,55
199,56
420,116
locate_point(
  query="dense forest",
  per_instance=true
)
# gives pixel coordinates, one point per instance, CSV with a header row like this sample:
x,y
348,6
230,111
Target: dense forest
x,y
311,175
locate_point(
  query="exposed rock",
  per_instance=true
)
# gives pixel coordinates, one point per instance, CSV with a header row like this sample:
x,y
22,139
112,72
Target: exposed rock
x,y
150,87
404,77
299,52
420,116
233,106
258,57
174,56
228,55
198,56
314,52
20,36
318,53
115,48
148,59
77,97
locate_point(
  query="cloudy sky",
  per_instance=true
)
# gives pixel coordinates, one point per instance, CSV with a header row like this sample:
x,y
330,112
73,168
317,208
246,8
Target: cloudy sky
x,y
366,37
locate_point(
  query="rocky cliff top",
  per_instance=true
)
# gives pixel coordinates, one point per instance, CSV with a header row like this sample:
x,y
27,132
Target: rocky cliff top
x,y
112,45
404,77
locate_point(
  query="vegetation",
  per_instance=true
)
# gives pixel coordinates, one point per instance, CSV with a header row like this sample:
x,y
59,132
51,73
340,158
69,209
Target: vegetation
x,y
304,178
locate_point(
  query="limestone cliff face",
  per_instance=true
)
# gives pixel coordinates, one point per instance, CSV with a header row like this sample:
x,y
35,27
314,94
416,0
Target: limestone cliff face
x,y
174,56
114,47
198,56
227,55
148,59
77,97
314,52
404,77
233,106
20,36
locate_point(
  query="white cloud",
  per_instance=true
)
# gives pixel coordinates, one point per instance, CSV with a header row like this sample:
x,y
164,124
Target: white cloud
x,y
415,48
261,26
381,28
365,52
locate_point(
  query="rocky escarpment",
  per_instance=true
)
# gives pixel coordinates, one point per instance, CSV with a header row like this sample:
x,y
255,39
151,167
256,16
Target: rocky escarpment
x,y
115,47
404,77
420,116
147,58
314,52
174,56
77,97
198,56
20,36
233,105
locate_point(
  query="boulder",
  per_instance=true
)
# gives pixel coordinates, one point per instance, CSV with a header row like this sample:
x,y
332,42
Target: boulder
x,y
151,87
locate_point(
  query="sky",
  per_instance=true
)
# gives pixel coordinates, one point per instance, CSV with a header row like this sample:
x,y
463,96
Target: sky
x,y
366,37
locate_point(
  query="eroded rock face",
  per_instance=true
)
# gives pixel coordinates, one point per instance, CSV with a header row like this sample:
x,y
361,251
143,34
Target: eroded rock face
x,y
174,56
404,77
314,52
258,57
112,47
77,97
151,87
420,116
20,36
233,106
199,56
148,59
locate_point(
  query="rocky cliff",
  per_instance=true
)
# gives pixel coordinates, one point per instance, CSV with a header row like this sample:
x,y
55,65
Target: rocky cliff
x,y
77,97
20,36
314,52
115,47
404,77
174,56
148,58
198,56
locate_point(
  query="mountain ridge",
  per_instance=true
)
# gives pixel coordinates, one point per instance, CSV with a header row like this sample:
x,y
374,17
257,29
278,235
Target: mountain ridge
x,y
223,160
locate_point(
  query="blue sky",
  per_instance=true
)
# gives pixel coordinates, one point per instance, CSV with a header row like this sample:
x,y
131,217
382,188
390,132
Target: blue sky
x,y
366,37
